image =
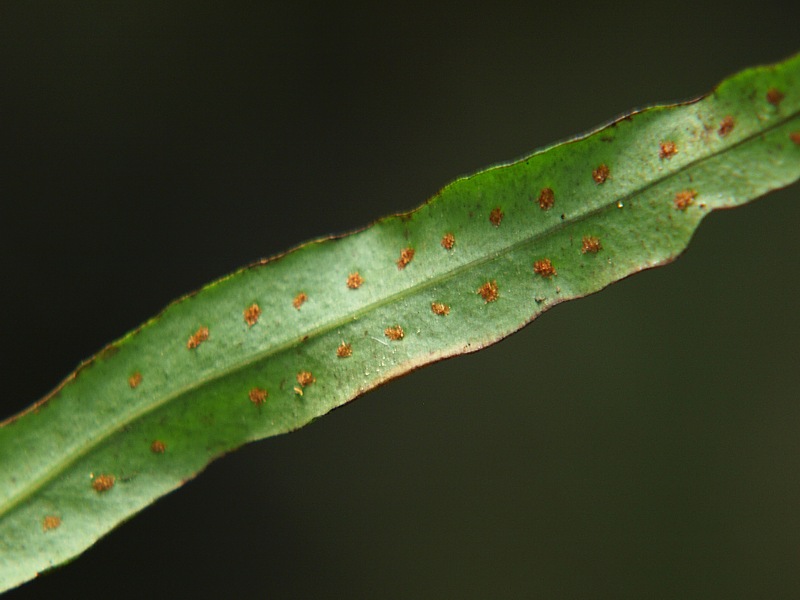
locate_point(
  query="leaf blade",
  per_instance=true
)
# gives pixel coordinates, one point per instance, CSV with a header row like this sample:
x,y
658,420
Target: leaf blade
x,y
196,401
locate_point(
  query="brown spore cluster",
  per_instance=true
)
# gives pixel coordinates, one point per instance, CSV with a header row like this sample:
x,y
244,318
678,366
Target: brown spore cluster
x,y
394,333
684,199
197,338
406,256
103,483
775,96
251,314
667,150
51,522
299,300
305,378
544,267
354,280
590,244
257,395
440,309
795,137
601,173
489,291
158,447
496,217
344,350
134,380
547,199
726,126
448,241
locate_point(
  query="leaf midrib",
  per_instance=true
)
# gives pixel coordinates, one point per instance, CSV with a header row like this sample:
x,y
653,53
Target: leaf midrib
x,y
325,328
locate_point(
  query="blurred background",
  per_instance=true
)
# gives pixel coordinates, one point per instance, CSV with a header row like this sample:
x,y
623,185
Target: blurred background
x,y
151,147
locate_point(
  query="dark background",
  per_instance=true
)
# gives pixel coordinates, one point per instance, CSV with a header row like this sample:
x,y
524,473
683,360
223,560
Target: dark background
x,y
150,147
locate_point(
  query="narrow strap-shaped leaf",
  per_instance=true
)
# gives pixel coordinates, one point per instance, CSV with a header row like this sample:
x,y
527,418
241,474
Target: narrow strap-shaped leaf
x,y
279,343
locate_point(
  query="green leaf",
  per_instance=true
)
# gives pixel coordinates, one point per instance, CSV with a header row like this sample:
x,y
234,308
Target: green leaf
x,y
279,343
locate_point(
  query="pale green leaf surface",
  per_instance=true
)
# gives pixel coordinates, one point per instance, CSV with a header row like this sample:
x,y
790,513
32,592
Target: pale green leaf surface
x,y
196,401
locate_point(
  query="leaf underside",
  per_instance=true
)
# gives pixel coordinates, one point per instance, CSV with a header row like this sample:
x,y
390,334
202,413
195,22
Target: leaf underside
x,y
282,342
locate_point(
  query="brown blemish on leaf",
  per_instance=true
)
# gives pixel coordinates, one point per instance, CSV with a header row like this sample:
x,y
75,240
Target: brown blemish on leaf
x,y
795,137
51,522
406,256
344,350
489,292
496,216
684,199
158,447
197,338
448,241
299,300
440,309
134,380
544,268
775,96
103,483
600,174
108,352
257,395
354,280
591,244
305,378
726,126
547,199
395,333
667,150
251,314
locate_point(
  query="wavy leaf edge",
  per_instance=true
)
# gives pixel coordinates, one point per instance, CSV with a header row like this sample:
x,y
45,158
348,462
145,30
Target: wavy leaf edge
x,y
725,141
